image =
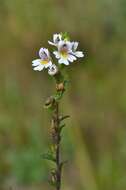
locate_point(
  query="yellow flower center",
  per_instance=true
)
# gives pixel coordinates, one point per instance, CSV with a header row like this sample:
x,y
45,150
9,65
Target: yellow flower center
x,y
44,62
64,54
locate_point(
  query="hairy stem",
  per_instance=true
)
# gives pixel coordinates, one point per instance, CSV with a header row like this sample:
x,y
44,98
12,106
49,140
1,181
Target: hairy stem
x,y
56,130
58,149
56,139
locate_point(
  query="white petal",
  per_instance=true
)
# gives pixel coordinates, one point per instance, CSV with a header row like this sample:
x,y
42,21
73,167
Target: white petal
x,y
36,62
63,61
79,54
60,61
38,68
57,54
56,37
60,44
66,62
51,43
69,45
48,64
74,45
71,58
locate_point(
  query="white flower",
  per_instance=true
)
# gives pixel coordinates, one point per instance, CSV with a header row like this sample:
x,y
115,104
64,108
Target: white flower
x,y
74,48
56,39
52,70
43,62
64,53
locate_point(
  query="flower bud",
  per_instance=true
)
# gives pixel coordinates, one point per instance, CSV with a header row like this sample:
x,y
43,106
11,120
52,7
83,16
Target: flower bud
x,y
60,87
52,70
49,102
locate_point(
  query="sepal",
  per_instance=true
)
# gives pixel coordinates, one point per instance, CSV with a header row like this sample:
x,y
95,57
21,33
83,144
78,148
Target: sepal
x,y
65,36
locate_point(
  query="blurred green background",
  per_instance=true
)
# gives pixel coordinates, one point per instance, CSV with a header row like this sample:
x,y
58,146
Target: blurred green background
x,y
95,141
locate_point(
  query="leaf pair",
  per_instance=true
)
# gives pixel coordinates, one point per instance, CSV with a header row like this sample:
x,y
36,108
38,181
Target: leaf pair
x,y
49,156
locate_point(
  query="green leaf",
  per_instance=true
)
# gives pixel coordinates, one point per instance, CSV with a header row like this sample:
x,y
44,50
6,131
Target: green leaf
x,y
59,77
61,118
49,104
52,183
61,127
49,156
58,95
66,82
62,164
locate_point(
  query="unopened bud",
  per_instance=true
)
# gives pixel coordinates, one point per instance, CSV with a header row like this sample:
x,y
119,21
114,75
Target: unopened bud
x,y
60,87
52,70
49,101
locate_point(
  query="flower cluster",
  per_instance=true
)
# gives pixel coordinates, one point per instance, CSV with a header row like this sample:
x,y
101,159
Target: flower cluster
x,y
66,52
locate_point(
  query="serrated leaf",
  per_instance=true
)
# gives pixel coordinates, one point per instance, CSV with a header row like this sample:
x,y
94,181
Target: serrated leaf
x,y
58,95
62,163
61,127
52,183
64,117
66,82
48,107
48,156
49,104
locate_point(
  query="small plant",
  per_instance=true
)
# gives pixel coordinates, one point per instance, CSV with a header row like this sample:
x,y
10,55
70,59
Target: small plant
x,y
66,52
